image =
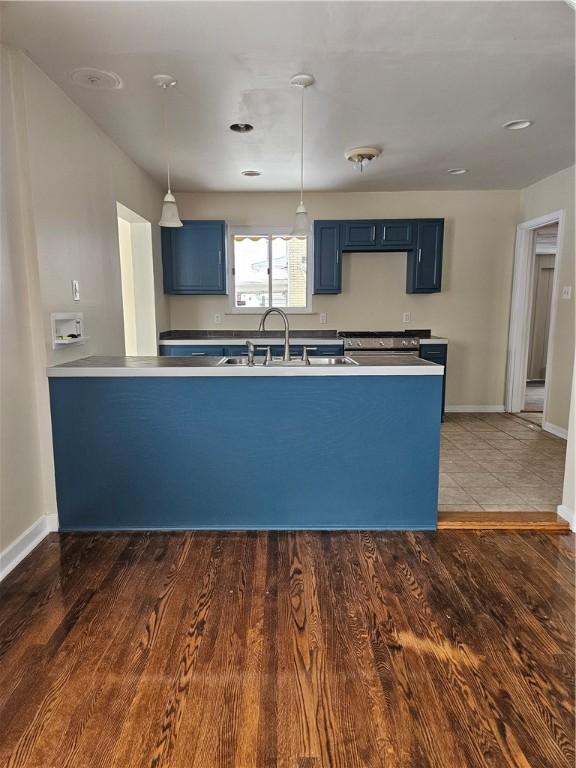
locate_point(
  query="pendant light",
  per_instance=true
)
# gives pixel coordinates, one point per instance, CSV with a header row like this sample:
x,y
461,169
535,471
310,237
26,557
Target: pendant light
x,y
301,222
170,217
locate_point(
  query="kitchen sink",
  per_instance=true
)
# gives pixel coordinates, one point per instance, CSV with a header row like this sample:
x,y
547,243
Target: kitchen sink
x,y
332,361
297,362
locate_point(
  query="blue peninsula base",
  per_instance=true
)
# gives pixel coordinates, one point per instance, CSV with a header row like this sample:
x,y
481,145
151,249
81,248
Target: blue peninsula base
x,y
324,452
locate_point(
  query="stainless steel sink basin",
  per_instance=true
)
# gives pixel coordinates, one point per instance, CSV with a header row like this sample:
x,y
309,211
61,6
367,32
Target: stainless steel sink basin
x,y
296,363
332,361
236,361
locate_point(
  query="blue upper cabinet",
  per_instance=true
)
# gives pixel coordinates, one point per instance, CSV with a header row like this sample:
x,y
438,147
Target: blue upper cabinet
x,y
422,239
424,272
397,233
193,258
327,257
359,234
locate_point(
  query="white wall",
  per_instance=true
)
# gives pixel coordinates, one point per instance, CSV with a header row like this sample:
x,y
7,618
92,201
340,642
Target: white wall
x,y
547,196
472,309
61,179
77,176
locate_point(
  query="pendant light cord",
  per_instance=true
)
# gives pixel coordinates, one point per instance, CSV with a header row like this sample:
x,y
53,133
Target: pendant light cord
x,y
166,135
302,150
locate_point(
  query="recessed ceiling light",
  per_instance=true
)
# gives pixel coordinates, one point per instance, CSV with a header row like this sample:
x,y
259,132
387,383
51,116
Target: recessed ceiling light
x,y
457,171
517,125
97,79
251,173
241,127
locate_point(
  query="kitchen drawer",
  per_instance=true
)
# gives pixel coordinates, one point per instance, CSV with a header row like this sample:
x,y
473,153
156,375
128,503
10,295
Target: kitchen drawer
x,y
190,350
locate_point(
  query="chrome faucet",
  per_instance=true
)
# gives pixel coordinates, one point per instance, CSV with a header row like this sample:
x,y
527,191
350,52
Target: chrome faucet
x,y
251,351
261,327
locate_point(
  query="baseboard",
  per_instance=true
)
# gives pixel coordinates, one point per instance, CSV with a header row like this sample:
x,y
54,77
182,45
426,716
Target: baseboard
x,y
474,409
16,552
567,514
554,430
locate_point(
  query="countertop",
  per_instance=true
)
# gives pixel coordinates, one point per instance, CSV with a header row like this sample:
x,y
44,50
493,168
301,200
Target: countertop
x,y
220,337
380,365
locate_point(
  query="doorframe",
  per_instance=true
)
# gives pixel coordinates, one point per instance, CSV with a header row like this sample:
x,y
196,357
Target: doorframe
x,y
521,309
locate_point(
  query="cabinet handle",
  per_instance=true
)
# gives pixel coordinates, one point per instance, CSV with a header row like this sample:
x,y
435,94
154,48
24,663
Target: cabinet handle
x,y
219,258
419,255
373,231
383,233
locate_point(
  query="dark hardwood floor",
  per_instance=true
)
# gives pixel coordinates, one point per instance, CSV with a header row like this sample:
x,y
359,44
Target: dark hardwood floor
x,y
289,650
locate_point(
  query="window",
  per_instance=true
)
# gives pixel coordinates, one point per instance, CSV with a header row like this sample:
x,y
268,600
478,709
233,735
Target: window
x,y
269,269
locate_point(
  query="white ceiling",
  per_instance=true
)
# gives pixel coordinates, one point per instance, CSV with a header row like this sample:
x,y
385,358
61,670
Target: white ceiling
x,y
429,82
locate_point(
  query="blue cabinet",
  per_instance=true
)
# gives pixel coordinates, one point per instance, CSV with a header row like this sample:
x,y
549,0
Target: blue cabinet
x,y
424,273
422,239
193,258
437,353
327,257
359,234
190,350
396,233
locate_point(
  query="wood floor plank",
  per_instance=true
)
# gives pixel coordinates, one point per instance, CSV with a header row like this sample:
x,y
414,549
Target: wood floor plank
x,y
290,649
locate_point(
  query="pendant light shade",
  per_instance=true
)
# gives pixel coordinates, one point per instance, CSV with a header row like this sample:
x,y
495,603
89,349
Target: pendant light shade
x,y
301,226
170,216
301,221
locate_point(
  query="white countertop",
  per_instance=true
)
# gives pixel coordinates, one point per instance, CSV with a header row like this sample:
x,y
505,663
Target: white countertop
x,y
99,367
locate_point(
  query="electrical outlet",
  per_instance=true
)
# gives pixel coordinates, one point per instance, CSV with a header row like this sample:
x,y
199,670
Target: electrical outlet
x,y
217,318
406,317
323,318
76,290
567,292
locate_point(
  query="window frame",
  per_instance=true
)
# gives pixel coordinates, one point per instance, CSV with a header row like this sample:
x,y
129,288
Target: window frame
x,y
267,231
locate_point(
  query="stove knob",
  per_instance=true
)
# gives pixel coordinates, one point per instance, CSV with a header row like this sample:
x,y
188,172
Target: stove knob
x,y
414,343
382,343
358,343
404,343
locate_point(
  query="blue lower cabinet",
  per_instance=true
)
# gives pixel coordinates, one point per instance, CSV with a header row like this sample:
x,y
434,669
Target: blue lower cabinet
x,y
190,350
437,353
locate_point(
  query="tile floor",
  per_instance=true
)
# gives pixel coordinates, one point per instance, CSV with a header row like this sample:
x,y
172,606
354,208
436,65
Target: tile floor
x,y
499,463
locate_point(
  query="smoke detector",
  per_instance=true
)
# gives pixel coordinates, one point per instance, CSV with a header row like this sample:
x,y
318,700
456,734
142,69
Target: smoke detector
x,y
361,156
96,79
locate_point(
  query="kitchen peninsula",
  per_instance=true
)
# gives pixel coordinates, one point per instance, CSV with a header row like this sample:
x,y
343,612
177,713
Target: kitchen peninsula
x,y
209,443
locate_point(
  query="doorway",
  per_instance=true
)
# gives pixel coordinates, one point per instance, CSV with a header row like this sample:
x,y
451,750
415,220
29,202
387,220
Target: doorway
x,y
137,276
545,243
532,316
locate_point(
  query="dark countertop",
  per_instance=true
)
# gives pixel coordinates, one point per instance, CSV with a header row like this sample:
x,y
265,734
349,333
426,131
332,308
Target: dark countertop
x,y
246,333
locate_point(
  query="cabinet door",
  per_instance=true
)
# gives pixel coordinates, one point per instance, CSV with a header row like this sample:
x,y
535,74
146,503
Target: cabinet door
x,y
437,353
190,350
327,257
400,233
193,258
424,273
359,234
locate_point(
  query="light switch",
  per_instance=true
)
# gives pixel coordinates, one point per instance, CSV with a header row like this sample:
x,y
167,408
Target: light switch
x,y
567,292
76,290
323,318
406,317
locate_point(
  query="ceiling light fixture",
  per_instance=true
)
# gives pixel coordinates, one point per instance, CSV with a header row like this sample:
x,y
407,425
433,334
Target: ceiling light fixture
x,y
170,216
96,79
457,171
241,127
361,156
301,226
251,173
517,125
